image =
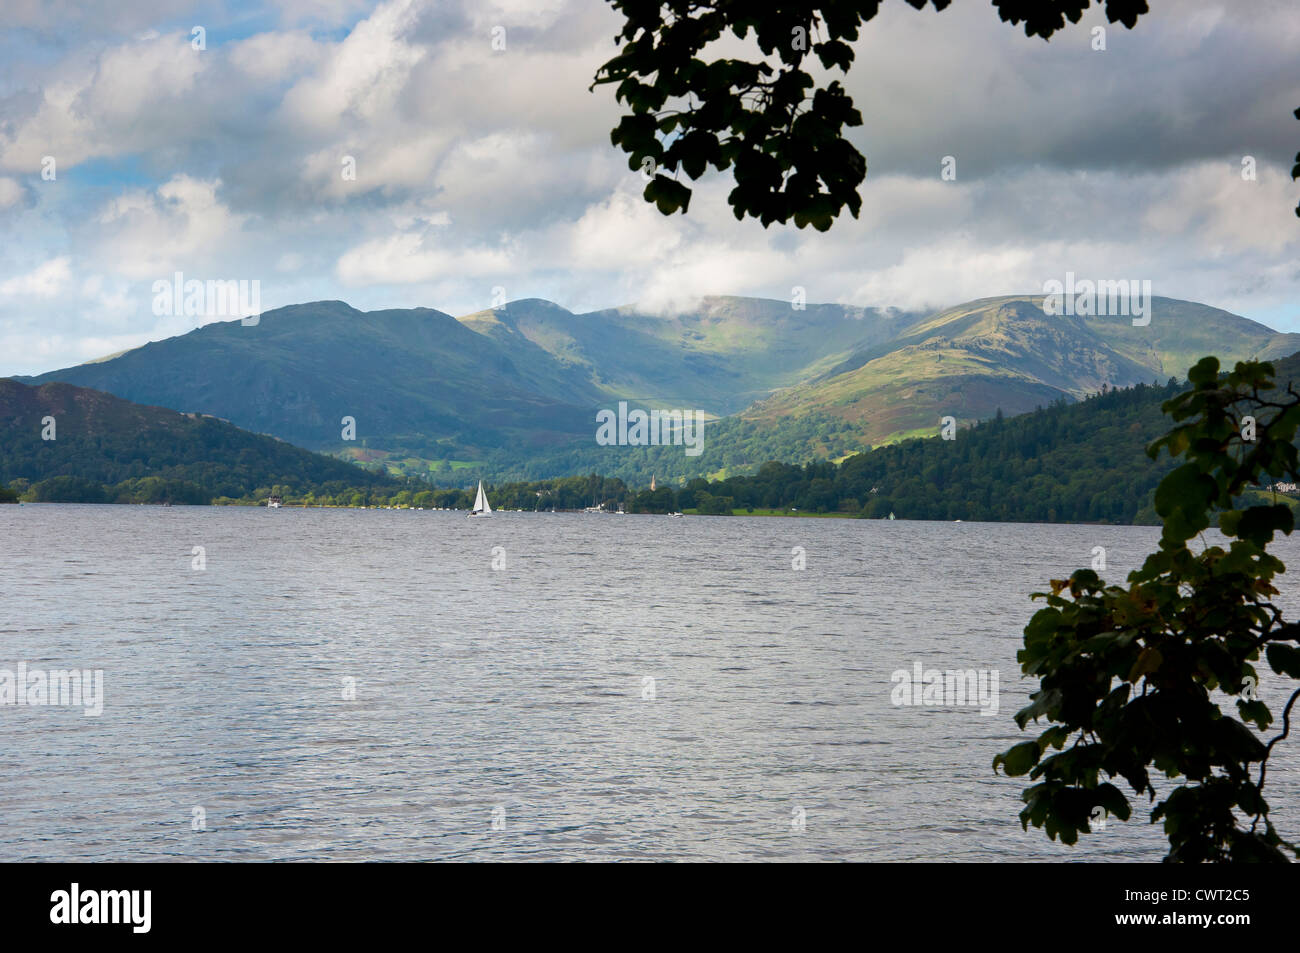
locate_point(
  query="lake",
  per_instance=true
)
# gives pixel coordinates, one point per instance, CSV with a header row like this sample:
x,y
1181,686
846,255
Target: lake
x,y
364,685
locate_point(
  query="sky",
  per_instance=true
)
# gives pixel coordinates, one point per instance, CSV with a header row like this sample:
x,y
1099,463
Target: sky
x,y
483,174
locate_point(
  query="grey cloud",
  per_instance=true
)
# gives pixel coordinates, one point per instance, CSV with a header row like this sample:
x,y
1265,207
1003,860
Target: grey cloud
x,y
964,84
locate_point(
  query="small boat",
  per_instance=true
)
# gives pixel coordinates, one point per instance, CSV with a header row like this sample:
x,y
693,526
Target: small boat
x,y
481,505
676,514
273,503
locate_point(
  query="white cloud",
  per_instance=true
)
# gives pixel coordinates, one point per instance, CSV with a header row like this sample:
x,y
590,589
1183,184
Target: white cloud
x,y
180,226
362,77
45,281
623,231
276,56
1212,205
406,259
130,97
10,192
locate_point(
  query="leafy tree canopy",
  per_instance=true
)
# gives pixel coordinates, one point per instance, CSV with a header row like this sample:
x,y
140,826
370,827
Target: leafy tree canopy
x,y
768,118
1128,674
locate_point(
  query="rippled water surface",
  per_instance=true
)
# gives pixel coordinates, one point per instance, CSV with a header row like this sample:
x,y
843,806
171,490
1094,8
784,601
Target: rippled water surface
x,y
520,693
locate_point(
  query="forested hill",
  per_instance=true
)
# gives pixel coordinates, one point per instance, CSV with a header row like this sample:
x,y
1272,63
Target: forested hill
x,y
1081,462
107,449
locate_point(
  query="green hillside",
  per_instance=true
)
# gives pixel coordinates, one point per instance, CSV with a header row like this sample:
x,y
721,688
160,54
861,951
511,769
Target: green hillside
x,y
718,356
1006,353
1080,462
738,350
108,449
1067,462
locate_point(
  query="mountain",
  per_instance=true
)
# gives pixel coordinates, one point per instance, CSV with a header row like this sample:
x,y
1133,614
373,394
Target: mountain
x,y
968,362
1082,462
720,355
511,392
148,454
1006,353
416,379
519,380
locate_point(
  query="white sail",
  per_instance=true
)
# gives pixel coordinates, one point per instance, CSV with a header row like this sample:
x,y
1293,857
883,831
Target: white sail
x,y
481,505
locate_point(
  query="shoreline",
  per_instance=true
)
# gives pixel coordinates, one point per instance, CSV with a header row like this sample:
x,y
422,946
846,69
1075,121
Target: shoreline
x,y
764,514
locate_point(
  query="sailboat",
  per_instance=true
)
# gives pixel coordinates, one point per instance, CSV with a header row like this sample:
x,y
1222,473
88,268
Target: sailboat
x,y
481,505
891,514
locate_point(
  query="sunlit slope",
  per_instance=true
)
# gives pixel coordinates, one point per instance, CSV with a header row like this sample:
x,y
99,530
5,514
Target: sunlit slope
x,y
1007,353
717,354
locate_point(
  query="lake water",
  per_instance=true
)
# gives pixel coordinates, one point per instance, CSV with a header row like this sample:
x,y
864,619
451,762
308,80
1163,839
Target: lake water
x,y
519,698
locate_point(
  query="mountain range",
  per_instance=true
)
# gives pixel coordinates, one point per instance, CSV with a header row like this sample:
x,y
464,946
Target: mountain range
x,y
513,391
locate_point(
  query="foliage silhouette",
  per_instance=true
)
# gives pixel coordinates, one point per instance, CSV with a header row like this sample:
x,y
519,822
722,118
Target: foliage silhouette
x,y
766,118
1128,672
